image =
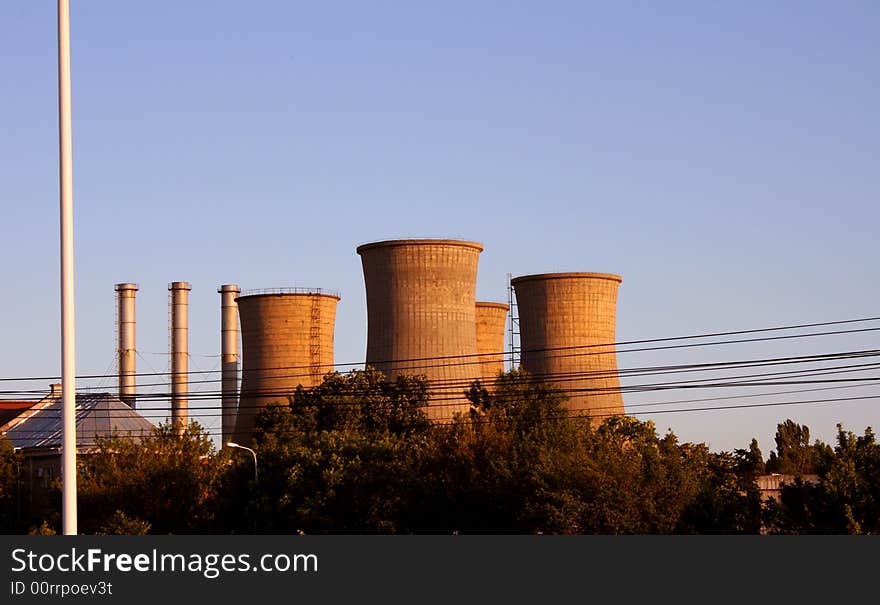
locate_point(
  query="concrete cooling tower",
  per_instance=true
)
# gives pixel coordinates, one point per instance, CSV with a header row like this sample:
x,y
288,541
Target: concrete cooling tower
x,y
563,318
491,318
287,341
421,296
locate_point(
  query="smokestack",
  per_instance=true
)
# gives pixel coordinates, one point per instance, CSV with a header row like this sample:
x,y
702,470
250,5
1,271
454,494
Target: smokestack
x,y
229,357
179,353
125,342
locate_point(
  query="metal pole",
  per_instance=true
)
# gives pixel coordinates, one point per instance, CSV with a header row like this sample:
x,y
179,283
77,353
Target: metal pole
x,y
68,349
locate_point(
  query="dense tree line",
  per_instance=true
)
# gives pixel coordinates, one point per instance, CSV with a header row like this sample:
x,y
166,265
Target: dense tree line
x,y
358,455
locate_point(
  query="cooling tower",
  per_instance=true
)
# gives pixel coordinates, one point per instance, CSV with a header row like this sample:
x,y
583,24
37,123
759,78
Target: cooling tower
x,y
228,358
125,342
421,315
491,318
287,341
567,333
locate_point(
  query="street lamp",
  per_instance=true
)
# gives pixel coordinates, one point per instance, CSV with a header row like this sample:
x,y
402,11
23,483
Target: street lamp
x,y
253,453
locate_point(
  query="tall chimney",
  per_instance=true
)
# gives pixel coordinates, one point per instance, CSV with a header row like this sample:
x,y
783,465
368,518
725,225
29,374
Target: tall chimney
x,y
125,342
179,353
229,357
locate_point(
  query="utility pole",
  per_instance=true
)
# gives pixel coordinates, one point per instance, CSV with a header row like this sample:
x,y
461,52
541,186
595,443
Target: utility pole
x,y
68,347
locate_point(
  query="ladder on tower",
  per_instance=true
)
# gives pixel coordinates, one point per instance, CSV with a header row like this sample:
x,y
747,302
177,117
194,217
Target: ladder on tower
x,y
513,339
315,341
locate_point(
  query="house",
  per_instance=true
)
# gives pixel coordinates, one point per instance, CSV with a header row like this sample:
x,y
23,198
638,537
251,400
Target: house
x,y
35,430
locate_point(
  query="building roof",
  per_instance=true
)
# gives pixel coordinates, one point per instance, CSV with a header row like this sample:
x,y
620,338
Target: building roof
x,y
97,415
11,409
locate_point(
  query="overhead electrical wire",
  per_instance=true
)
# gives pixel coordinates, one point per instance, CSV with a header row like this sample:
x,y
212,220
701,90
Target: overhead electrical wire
x,y
458,386
565,414
578,347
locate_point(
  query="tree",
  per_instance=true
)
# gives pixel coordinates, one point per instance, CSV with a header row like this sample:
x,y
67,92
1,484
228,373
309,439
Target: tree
x,y
794,454
341,457
121,524
728,500
846,498
164,480
851,483
356,454
750,462
12,485
638,483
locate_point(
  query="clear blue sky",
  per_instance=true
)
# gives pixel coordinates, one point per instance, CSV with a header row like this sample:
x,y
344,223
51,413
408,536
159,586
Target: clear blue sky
x,y
721,157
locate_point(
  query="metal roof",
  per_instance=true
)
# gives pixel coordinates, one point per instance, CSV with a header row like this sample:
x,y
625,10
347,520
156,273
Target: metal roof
x,y
97,415
9,409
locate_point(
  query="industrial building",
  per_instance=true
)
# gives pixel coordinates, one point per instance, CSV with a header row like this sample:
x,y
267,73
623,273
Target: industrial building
x,y
422,318
567,334
287,341
491,319
421,315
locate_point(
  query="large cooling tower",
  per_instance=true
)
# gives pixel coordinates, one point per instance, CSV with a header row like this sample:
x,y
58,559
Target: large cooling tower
x,y
287,341
490,320
563,320
421,296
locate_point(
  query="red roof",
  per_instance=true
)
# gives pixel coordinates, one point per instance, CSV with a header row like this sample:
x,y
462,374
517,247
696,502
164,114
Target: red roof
x,y
9,409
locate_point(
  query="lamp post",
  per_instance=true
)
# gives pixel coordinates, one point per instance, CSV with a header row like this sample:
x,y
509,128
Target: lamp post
x,y
253,453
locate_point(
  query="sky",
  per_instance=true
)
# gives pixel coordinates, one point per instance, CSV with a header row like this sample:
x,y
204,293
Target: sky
x,y
721,157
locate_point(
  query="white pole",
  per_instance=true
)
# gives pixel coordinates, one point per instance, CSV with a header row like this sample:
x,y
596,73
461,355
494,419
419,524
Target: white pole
x,y
68,356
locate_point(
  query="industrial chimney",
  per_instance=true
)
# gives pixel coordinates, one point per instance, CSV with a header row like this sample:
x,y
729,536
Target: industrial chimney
x,y
229,358
287,341
567,334
125,342
421,296
179,354
490,322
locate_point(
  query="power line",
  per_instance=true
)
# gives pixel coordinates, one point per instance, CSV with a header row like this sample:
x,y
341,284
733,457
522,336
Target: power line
x,y
579,347
563,414
626,373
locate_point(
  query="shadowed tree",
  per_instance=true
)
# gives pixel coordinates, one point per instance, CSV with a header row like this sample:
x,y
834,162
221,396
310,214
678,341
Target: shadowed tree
x,y
794,454
13,516
164,480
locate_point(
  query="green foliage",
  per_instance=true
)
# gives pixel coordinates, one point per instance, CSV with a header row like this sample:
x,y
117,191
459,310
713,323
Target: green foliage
x,y
121,524
357,454
12,486
43,529
165,480
341,457
640,483
750,462
794,454
728,500
847,497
